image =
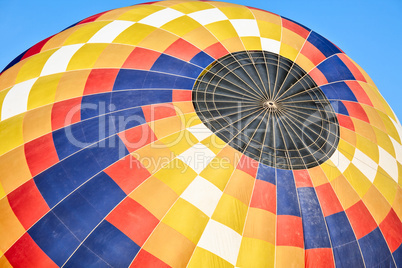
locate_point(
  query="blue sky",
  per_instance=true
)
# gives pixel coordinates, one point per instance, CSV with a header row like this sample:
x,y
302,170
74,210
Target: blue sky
x,y
368,31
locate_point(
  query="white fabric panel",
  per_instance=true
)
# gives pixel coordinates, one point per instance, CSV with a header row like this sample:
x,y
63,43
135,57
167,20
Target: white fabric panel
x,y
221,240
108,33
340,161
365,164
161,17
388,163
208,16
201,132
58,62
202,194
270,45
16,100
398,150
197,157
245,27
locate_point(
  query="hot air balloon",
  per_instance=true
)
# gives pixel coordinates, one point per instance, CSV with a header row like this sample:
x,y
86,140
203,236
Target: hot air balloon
x,y
196,134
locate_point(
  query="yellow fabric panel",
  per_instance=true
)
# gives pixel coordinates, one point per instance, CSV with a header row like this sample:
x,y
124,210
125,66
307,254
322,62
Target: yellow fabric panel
x,y
191,6
37,123
71,85
391,130
2,192
153,40
344,191
292,39
2,96
187,220
33,66
347,149
114,14
376,204
14,170
155,196
181,25
305,63
256,253
201,38
330,170
86,56
374,118
371,92
237,12
190,119
260,224
289,257
269,30
180,141
218,176
222,30
357,179
4,262
364,129
251,43
166,126
399,172
175,250
10,227
240,186
367,147
386,185
113,56
185,107
318,176
397,205
43,91
266,16
203,258
8,77
137,13
134,34
348,135
231,212
11,133
233,44
384,141
154,156
84,33
177,175
214,143
288,52
59,39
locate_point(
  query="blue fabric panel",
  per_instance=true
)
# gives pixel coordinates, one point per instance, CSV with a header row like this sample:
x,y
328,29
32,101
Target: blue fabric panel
x,y
53,237
172,65
102,193
322,44
113,246
335,70
127,119
78,215
398,256
94,105
202,59
339,107
314,228
129,79
339,228
348,255
129,99
308,29
286,193
266,173
168,81
83,257
375,250
68,140
54,184
338,91
108,151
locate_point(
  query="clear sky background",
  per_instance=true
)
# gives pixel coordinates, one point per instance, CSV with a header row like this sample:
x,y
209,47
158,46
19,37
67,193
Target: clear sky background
x,y
369,31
